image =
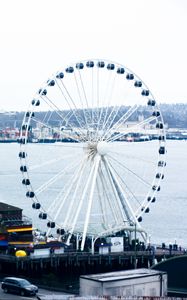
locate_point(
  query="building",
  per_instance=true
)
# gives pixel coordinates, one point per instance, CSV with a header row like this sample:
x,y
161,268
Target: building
x,y
15,229
136,283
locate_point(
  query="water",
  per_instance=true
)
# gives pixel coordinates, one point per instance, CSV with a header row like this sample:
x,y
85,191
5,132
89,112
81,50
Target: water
x,y
167,220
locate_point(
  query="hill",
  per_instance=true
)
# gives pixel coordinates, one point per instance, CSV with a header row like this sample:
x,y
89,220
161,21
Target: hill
x,y
175,116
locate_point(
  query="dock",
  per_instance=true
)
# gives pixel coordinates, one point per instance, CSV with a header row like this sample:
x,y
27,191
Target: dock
x,y
70,265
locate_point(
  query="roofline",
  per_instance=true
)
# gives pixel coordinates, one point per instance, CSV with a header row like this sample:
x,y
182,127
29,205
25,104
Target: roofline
x,y
134,277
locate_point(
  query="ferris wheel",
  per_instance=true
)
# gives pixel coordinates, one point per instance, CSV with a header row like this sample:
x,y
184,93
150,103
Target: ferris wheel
x,y
92,150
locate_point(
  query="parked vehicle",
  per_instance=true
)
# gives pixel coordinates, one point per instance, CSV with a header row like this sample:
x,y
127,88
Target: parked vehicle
x,y
18,286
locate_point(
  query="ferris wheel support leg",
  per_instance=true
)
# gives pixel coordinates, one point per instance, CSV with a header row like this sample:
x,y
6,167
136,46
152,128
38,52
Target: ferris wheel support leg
x,y
68,239
94,239
93,243
144,235
81,200
116,209
90,202
123,198
77,241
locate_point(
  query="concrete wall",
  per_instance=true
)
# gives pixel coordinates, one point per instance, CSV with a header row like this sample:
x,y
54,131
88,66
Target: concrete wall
x,y
146,286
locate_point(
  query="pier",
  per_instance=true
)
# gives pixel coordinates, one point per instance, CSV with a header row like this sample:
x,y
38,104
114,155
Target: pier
x,y
67,267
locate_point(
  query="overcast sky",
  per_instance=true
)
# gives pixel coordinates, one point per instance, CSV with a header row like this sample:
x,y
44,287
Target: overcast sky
x,y
37,37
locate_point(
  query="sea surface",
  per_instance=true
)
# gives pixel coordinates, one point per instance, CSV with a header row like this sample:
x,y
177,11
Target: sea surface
x,y
167,220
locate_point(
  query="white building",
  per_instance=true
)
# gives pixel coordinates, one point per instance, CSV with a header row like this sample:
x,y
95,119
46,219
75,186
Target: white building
x,y
136,283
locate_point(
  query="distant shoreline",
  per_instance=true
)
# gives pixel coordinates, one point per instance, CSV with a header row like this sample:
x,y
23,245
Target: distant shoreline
x,y
51,141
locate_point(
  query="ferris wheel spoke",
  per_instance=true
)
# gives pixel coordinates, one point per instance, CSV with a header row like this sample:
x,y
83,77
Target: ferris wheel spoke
x,y
113,208
83,89
82,196
93,106
47,125
73,201
79,94
46,116
82,104
88,94
66,135
64,145
90,199
103,109
110,120
97,104
87,110
116,112
104,200
58,202
52,180
95,88
107,113
127,188
57,205
92,98
123,199
129,156
74,108
52,105
121,165
116,203
97,91
102,203
122,120
67,191
146,121
123,212
49,162
66,95
131,129
58,112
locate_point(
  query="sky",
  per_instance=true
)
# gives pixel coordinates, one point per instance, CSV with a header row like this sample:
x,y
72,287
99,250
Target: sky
x,y
38,37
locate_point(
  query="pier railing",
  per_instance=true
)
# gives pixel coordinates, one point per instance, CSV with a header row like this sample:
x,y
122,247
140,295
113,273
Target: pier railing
x,y
158,253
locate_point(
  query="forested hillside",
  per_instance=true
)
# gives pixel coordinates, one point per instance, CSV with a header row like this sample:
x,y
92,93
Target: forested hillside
x,y
175,115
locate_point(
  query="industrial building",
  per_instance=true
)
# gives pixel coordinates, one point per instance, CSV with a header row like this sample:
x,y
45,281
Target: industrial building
x,y
136,283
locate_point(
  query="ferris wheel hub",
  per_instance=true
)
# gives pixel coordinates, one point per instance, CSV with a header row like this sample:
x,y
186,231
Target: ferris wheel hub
x,y
94,148
102,148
